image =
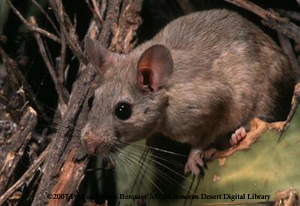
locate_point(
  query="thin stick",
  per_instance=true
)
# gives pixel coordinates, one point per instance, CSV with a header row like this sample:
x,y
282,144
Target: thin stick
x,y
62,60
15,70
61,91
97,12
103,8
18,143
271,19
33,27
27,175
288,50
89,5
290,14
68,29
46,15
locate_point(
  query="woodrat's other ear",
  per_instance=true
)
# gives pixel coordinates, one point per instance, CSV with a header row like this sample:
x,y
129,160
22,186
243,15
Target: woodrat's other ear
x,y
154,67
99,56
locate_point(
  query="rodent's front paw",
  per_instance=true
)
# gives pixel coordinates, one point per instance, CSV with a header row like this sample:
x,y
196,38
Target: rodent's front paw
x,y
194,162
238,135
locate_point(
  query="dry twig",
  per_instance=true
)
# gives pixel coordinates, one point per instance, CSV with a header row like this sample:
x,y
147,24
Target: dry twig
x,y
26,176
271,19
125,30
64,150
45,14
15,150
113,9
95,10
68,30
61,90
15,71
57,154
288,50
289,14
32,27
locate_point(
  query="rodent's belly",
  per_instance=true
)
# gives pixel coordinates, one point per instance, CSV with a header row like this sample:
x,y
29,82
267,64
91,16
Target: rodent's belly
x,y
201,130
196,136
200,111
181,138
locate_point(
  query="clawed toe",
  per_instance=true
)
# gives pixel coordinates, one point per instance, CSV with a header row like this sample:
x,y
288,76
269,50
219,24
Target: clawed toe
x,y
194,162
238,136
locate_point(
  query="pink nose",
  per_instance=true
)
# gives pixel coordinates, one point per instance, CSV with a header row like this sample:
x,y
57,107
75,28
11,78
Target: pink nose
x,y
91,148
90,145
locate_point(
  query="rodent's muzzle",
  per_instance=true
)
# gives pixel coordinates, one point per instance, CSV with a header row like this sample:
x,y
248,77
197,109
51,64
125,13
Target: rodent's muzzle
x,y
95,144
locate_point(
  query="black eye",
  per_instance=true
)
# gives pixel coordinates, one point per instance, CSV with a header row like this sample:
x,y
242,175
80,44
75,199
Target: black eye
x,y
123,110
90,102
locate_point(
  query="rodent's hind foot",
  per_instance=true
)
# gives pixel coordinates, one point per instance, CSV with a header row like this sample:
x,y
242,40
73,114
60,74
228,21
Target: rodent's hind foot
x,y
195,160
238,135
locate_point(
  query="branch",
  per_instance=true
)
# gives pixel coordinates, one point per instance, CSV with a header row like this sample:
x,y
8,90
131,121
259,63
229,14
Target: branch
x,y
57,154
95,11
15,150
68,30
290,14
61,61
63,152
61,90
113,9
70,178
46,15
271,19
22,81
94,28
26,176
288,50
32,27
125,31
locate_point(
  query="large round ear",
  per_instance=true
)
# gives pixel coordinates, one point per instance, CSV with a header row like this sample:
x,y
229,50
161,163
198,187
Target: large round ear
x,y
154,67
100,57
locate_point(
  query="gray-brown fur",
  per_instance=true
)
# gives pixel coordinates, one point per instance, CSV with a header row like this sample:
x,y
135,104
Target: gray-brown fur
x,y
226,71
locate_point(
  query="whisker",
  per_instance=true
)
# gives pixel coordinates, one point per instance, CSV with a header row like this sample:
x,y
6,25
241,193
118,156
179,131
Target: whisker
x,y
173,162
121,161
153,148
156,186
130,163
166,177
141,166
118,161
136,151
161,164
166,160
137,173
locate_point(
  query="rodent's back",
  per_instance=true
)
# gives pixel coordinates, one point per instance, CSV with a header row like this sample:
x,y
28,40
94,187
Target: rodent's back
x,y
205,29
226,59
212,36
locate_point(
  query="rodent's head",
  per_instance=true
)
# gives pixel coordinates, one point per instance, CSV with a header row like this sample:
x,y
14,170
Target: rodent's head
x,y
129,104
